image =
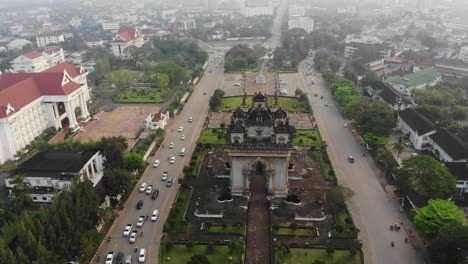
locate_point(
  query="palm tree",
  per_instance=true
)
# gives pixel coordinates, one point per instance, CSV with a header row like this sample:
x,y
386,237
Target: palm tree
x,y
399,146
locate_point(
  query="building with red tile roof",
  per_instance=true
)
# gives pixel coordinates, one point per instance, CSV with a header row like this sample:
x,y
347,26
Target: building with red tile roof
x,y
32,102
125,38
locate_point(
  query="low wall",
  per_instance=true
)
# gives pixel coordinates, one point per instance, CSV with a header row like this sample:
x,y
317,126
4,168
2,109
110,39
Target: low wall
x,y
309,219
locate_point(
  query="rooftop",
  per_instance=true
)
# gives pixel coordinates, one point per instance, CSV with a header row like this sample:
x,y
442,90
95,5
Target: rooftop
x,y
458,169
55,163
450,143
416,78
416,121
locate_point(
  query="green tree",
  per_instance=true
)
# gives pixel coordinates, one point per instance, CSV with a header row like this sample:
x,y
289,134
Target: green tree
x,y
134,162
198,259
116,181
113,149
374,141
449,243
436,215
386,161
399,146
424,178
19,197
103,68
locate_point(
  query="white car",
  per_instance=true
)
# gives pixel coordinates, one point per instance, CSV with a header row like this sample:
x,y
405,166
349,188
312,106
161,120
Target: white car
x,y
172,160
182,137
142,256
181,129
171,146
127,230
141,221
149,189
345,124
133,236
164,177
155,215
110,258
156,163
143,187
190,119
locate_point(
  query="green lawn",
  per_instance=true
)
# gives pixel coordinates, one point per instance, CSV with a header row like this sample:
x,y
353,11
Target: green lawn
x,y
290,104
180,254
229,229
349,230
326,166
307,137
147,95
309,255
286,231
213,136
175,221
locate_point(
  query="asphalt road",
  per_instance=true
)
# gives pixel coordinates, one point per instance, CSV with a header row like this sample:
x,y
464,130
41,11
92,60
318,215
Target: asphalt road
x,y
197,108
372,210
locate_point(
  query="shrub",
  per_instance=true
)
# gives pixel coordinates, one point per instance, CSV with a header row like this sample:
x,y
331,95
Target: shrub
x,y
208,224
210,248
293,226
189,244
330,250
348,220
339,228
169,245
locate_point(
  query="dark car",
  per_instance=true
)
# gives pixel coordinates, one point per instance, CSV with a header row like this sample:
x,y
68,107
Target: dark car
x,y
155,194
139,204
119,258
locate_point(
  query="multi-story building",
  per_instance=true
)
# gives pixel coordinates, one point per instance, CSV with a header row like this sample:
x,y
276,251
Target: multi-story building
x,y
36,62
32,102
417,80
464,53
126,37
49,38
111,26
256,8
51,171
354,42
296,11
188,24
301,22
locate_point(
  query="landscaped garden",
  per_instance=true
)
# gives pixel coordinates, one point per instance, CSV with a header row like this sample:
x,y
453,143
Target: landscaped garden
x,y
321,255
344,227
224,229
290,104
143,95
213,136
175,221
307,137
175,253
324,161
293,231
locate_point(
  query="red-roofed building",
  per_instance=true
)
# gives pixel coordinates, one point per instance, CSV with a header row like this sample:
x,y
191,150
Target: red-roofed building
x,y
156,121
126,37
37,62
32,102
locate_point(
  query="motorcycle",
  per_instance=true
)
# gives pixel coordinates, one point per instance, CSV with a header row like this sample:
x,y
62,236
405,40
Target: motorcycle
x,y
392,243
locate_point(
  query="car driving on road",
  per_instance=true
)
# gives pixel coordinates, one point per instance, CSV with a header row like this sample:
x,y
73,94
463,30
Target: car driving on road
x,y
110,258
155,215
133,237
142,256
149,189
143,187
127,230
139,204
141,221
172,160
156,163
155,194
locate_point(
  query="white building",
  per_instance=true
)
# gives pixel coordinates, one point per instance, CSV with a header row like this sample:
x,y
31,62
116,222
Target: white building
x,y
301,22
32,102
296,11
125,38
49,38
75,22
464,53
188,24
111,26
36,62
256,8
49,172
156,121
416,127
447,147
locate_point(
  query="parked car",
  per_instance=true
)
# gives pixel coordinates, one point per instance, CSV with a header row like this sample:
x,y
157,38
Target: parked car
x,y
128,259
155,215
142,256
139,204
182,137
181,129
351,159
171,146
133,237
127,230
326,103
149,190
119,258
190,119
155,194
143,187
110,258
156,163
345,124
141,221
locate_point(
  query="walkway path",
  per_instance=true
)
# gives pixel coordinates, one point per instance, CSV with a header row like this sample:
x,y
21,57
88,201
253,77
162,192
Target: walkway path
x,y
258,224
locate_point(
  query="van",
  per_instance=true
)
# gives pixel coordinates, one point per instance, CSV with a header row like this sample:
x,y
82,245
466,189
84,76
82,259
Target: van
x,y
182,152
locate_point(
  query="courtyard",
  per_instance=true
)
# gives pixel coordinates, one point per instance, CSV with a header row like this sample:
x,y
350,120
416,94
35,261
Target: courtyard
x,y
123,121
